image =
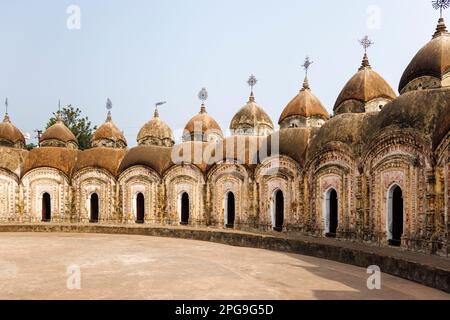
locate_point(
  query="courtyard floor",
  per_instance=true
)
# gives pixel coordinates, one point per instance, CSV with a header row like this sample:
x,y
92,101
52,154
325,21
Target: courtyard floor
x,y
35,266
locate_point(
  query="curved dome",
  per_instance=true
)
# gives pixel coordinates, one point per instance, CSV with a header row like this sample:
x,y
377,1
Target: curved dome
x,y
156,157
240,149
61,159
366,91
12,159
10,136
251,120
156,132
252,150
108,135
344,129
430,68
423,113
305,106
292,142
58,135
202,127
108,159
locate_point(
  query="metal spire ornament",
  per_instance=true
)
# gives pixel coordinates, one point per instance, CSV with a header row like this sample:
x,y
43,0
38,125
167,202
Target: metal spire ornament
x,y
441,5
203,96
157,105
109,104
59,118
6,119
366,43
252,81
306,66
109,107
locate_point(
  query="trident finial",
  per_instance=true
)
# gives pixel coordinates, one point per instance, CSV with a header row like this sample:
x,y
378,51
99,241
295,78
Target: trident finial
x,y
366,43
441,5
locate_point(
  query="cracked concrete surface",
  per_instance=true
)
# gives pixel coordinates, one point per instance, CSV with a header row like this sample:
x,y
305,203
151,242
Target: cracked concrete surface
x,y
34,266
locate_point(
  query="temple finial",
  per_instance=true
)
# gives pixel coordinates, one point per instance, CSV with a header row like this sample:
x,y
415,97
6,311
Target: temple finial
x,y
306,66
203,96
252,81
6,118
109,106
157,105
59,117
440,5
366,43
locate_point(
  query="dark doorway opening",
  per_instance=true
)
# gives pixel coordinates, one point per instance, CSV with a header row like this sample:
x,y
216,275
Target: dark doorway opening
x,y
94,208
397,217
46,208
140,208
184,209
279,211
334,216
231,210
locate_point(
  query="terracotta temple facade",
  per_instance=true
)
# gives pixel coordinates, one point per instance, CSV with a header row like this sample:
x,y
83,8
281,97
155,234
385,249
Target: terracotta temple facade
x,y
378,171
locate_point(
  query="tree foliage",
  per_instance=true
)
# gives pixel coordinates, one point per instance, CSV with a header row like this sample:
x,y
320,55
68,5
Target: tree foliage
x,y
80,126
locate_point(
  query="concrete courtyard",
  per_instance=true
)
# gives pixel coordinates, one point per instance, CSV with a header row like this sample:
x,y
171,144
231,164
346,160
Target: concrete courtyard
x,y
35,266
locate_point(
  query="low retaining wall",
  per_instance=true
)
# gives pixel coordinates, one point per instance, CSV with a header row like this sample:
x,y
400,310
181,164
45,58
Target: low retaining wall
x,y
416,267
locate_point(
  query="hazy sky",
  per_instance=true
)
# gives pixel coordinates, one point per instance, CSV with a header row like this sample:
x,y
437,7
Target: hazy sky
x,y
138,52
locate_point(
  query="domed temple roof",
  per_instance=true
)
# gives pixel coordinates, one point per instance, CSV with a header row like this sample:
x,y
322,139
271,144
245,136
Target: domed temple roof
x,y
156,132
344,129
424,113
364,87
239,149
62,159
305,105
58,135
251,120
12,159
105,158
430,68
156,157
202,127
10,136
293,142
108,135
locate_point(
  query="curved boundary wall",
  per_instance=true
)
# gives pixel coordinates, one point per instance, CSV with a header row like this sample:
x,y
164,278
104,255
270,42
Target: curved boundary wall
x,y
427,270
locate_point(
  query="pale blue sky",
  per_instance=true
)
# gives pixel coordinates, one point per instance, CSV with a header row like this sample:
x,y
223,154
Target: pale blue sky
x,y
138,52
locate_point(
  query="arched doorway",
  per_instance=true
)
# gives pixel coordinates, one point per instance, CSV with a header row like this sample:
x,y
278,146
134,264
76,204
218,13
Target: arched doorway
x,y
184,209
140,208
334,220
230,211
94,208
395,216
279,211
331,213
46,208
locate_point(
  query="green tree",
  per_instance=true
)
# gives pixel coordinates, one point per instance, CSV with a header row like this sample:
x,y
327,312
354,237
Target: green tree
x,y
30,146
80,126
